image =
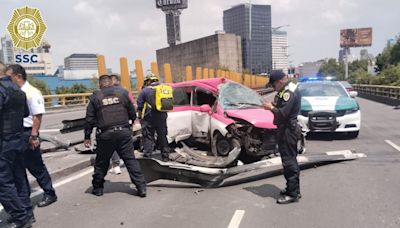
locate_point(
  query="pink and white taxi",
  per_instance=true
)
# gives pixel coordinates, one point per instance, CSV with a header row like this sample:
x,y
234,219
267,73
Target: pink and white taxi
x,y
224,115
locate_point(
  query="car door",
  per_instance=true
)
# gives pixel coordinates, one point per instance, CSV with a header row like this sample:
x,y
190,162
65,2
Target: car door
x,y
201,119
179,120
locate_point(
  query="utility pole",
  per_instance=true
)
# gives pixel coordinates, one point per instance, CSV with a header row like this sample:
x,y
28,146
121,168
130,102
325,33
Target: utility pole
x,y
346,51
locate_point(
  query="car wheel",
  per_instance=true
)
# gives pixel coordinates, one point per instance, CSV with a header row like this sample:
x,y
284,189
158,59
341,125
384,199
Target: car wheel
x,y
222,145
353,134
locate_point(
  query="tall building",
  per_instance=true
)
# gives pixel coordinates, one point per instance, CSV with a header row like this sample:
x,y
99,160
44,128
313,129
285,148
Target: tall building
x,y
80,66
257,47
7,50
215,51
280,53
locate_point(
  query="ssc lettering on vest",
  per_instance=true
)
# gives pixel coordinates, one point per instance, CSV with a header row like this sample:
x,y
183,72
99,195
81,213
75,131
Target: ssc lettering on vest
x,y
110,101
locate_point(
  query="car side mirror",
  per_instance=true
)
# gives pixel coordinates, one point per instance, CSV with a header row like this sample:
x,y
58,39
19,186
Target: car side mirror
x,y
353,94
205,108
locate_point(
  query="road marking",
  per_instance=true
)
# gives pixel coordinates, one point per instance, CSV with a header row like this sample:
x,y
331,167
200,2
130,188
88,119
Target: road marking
x,y
236,219
393,145
39,191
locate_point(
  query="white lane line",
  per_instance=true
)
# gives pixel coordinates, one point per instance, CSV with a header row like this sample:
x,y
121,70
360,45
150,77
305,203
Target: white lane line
x,y
236,219
39,191
393,145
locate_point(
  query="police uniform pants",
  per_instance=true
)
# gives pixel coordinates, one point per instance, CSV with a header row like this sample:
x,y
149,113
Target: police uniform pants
x,y
149,127
288,151
14,186
35,165
121,142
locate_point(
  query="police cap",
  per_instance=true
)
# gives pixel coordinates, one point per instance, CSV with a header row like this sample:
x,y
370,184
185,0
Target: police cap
x,y
275,76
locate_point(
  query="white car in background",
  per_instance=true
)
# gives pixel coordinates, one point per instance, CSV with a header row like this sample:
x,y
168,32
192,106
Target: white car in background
x,y
326,106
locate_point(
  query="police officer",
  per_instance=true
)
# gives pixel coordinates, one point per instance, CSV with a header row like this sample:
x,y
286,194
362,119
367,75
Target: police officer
x,y
14,187
285,109
33,155
110,110
152,120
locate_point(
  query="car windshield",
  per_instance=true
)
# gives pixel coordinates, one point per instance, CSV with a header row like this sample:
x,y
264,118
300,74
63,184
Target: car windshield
x,y
236,96
321,89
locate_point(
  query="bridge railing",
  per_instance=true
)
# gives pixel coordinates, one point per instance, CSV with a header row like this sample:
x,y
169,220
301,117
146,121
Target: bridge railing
x,y
69,100
384,94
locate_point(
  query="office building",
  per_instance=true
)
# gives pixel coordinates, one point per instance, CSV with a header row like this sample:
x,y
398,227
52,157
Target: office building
x,y
280,53
215,51
257,46
80,66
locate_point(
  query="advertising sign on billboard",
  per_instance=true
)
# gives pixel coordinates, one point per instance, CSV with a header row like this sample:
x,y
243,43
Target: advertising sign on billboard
x,y
172,4
360,37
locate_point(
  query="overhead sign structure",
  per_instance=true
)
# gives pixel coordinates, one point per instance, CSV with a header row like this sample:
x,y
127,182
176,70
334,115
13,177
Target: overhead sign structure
x,y
26,28
172,9
360,37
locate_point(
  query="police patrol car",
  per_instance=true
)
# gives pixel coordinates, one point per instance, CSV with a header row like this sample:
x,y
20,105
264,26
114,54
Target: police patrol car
x,y
326,106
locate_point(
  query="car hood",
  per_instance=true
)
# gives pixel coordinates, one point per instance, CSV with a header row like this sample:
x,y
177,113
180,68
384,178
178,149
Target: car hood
x,y
260,118
327,103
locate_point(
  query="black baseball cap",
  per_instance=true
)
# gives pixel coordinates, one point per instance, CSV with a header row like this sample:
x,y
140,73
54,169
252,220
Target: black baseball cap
x,y
275,76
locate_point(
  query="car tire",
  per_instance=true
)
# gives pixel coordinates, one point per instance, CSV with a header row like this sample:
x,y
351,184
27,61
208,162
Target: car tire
x,y
353,134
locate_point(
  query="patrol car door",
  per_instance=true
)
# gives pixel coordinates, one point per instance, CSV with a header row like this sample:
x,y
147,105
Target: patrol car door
x,y
201,118
179,120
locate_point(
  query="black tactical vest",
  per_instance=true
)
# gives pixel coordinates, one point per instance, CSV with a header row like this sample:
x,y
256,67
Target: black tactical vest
x,y
112,111
14,111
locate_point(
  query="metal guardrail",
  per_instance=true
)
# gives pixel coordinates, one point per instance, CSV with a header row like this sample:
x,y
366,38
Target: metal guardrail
x,y
383,91
69,100
383,94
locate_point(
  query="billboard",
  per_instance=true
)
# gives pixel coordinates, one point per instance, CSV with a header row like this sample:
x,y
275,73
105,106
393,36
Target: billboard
x,y
171,4
360,37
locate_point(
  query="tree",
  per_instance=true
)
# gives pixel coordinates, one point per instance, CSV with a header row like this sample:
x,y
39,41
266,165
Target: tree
x,y
40,85
332,68
75,88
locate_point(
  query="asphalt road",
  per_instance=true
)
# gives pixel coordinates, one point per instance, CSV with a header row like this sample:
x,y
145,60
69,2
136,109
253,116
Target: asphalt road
x,y
361,193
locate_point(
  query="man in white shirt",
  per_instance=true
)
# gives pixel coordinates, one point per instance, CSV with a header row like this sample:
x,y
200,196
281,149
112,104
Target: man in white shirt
x,y
33,156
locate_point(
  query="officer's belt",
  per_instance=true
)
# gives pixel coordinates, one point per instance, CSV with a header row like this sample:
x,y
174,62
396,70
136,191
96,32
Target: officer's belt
x,y
114,128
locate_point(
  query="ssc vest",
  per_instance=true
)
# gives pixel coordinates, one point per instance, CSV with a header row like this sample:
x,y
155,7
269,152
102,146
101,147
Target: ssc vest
x,y
13,113
112,111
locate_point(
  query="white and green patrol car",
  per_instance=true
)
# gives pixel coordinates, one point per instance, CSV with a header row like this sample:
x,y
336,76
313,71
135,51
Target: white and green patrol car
x,y
326,106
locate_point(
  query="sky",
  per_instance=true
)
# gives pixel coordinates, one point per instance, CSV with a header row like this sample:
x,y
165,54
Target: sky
x,y
136,29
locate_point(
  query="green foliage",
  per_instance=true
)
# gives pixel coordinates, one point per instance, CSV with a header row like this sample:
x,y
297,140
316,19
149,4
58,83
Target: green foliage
x,y
40,85
75,88
332,68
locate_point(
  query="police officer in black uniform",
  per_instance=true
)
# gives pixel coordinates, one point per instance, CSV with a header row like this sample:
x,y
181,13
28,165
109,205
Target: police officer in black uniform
x,y
110,110
14,186
152,120
285,109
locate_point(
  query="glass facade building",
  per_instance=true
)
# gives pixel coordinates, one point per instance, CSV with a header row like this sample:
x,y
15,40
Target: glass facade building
x,y
257,48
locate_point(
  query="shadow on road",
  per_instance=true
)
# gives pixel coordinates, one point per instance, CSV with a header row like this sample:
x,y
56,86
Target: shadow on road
x,y
112,187
327,136
265,191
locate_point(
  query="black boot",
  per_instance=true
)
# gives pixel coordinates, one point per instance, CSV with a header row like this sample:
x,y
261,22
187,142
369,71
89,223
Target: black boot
x,y
47,200
142,191
97,191
286,199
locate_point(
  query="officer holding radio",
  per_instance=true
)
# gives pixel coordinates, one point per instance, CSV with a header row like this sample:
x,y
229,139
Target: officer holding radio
x,y
110,110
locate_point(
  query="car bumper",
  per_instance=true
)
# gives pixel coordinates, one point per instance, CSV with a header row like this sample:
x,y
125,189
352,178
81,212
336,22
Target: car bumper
x,y
346,123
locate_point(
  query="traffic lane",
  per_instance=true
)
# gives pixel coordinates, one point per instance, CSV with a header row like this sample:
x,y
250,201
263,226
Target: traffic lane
x,y
374,131
338,195
175,205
